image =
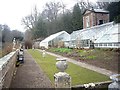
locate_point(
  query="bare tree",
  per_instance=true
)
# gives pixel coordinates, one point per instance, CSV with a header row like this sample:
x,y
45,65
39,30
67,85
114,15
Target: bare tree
x,y
103,5
28,39
63,7
51,10
30,20
85,4
6,34
50,15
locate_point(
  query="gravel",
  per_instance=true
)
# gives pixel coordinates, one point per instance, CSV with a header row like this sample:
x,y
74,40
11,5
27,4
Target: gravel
x,y
30,75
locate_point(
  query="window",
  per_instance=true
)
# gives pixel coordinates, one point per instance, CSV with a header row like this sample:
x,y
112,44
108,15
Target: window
x,y
100,44
105,44
104,21
96,44
110,44
87,21
119,44
116,44
73,42
100,22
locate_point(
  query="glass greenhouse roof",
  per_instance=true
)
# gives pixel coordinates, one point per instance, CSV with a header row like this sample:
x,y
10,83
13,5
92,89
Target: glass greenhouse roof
x,y
112,35
51,37
91,33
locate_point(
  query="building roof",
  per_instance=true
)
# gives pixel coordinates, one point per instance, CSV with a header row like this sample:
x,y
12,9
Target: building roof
x,y
96,11
51,37
101,10
112,35
92,32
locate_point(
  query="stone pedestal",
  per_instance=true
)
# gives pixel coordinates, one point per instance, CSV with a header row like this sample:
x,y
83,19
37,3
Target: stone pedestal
x,y
43,54
62,79
115,85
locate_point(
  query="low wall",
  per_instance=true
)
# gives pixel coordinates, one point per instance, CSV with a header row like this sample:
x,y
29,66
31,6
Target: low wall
x,y
98,86
7,68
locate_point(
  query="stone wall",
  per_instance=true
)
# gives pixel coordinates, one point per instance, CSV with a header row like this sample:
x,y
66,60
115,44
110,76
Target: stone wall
x,y
7,68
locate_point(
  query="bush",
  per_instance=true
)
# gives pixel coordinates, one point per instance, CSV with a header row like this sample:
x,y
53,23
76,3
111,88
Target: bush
x,y
117,19
81,51
91,57
61,50
116,50
7,48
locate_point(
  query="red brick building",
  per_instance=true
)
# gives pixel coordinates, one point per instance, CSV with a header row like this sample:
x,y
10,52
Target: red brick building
x,y
95,17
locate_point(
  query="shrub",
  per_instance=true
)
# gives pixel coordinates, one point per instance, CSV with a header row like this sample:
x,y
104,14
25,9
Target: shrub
x,y
91,57
62,50
81,51
116,50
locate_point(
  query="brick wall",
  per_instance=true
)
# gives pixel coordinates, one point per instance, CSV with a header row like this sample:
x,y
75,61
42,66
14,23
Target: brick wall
x,y
91,19
102,17
94,19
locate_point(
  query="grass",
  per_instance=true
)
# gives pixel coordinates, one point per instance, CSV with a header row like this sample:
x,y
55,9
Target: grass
x,y
61,50
78,74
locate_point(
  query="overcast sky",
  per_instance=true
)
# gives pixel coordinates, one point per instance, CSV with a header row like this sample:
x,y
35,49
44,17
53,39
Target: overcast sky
x,y
12,11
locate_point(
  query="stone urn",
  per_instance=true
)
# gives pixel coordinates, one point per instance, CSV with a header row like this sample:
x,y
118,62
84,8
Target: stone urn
x,y
62,79
61,64
115,85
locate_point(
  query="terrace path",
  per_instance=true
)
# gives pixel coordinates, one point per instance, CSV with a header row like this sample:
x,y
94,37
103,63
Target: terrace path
x,y
84,65
30,75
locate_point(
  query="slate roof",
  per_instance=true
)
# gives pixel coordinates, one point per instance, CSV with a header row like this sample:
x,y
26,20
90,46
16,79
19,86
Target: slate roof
x,y
96,11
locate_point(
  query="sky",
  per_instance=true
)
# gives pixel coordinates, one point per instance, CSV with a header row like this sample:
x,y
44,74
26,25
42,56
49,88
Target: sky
x,y
12,11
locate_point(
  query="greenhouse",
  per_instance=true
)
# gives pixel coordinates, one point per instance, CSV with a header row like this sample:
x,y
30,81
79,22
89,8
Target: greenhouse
x,y
111,38
55,39
86,37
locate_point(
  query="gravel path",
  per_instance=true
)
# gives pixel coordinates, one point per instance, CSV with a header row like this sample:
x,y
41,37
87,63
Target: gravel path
x,y
30,75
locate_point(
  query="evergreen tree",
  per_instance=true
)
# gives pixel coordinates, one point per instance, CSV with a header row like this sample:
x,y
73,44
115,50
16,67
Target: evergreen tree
x,y
77,18
67,22
40,29
114,11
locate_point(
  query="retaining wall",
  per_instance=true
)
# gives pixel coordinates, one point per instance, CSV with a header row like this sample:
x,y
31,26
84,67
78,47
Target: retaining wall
x,y
7,68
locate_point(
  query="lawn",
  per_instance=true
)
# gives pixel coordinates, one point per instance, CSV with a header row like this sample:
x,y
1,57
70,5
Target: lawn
x,y
78,74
